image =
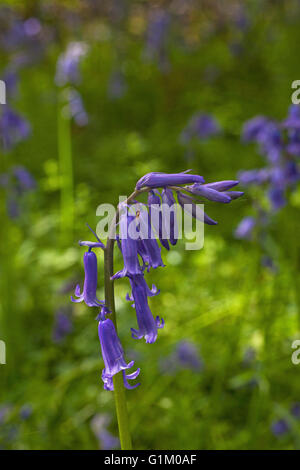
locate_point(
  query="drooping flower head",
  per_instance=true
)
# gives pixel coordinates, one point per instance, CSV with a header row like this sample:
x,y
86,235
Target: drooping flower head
x,y
89,295
113,354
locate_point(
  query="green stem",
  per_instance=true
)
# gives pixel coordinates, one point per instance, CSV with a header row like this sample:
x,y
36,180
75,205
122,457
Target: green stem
x,y
119,390
66,169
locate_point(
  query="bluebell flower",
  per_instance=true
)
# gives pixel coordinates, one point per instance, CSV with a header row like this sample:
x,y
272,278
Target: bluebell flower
x,y
277,198
276,192
185,356
188,356
113,355
156,218
270,140
129,247
67,70
295,410
293,144
13,128
188,204
245,228
32,27
280,427
256,177
25,179
11,79
62,326
161,180
89,295
148,326
200,126
12,206
253,128
99,425
17,181
292,122
208,192
168,199
76,108
147,245
268,262
241,18
157,34
25,412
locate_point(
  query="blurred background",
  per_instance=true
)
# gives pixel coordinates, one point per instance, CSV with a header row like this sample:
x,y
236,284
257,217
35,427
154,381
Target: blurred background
x,y
98,93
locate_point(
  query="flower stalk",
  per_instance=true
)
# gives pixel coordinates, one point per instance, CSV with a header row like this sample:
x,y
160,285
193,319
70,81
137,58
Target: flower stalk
x,y
135,249
119,389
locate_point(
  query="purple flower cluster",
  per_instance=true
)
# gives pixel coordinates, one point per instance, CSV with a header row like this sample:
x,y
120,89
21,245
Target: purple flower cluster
x,y
279,143
140,227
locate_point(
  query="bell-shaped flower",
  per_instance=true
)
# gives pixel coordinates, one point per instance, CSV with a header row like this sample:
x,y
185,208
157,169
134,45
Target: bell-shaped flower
x,y
161,180
168,200
129,247
156,217
187,203
113,355
245,228
148,248
150,292
217,192
89,295
148,326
